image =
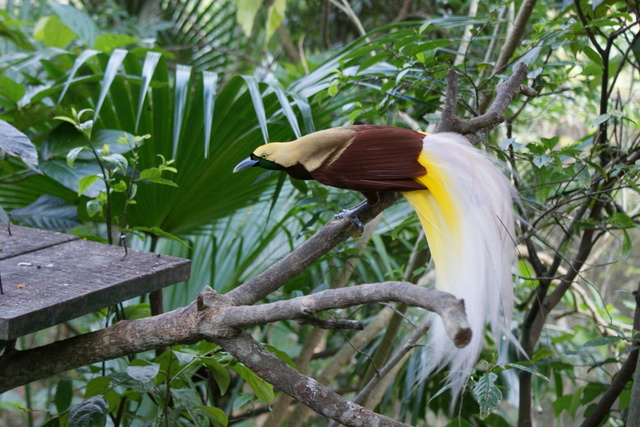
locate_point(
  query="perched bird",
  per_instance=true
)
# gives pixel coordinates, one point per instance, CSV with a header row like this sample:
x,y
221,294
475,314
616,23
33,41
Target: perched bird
x,y
463,201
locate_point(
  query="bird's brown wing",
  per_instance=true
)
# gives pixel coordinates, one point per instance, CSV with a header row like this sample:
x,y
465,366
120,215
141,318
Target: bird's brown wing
x,y
380,158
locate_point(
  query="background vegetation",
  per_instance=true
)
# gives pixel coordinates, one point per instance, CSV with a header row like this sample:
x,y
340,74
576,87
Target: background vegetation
x,y
210,80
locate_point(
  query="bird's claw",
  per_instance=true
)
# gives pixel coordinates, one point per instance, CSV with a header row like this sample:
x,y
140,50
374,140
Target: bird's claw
x,y
352,217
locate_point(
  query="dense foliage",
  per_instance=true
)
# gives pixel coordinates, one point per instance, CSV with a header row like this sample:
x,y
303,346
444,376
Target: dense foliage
x,y
174,94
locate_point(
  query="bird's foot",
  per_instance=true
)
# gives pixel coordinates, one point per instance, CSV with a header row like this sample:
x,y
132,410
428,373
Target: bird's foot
x,y
352,215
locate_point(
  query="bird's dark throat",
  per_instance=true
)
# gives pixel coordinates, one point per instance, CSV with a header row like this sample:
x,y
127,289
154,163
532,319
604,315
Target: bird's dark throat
x,y
267,164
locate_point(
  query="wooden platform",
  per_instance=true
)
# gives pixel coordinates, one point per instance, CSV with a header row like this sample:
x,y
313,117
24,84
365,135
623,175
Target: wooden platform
x,y
49,278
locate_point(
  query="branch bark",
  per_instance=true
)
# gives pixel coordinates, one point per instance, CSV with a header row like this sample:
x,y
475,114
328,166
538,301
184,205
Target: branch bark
x,y
505,93
515,35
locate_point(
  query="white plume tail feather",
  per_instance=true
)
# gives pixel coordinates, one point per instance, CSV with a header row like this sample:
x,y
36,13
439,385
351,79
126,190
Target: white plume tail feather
x,y
467,214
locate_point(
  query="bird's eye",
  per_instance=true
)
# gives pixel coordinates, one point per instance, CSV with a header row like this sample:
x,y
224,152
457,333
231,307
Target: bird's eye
x,y
265,155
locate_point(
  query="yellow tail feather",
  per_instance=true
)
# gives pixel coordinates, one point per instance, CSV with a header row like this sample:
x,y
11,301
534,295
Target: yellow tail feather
x,y
467,216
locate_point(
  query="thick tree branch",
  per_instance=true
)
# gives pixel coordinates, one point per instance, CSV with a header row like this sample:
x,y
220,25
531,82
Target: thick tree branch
x,y
212,316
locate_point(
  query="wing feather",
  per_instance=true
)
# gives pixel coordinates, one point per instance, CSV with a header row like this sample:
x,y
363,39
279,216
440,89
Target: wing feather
x,y
380,158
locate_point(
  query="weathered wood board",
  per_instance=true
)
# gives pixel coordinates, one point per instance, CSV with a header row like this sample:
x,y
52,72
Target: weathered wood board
x,y
24,240
49,278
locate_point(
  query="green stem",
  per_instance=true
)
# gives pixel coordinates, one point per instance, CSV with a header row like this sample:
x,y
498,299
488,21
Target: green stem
x,y
107,186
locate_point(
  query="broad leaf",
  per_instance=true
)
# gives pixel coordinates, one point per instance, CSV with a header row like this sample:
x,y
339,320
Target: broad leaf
x,y
91,412
78,21
143,374
48,213
16,143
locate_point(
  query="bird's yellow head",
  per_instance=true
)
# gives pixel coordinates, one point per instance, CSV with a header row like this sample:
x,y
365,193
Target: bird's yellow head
x,y
310,151
274,156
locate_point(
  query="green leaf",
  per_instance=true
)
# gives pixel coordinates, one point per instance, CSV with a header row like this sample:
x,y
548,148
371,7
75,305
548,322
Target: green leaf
x,y
593,55
246,11
150,174
372,60
216,415
72,155
59,171
305,110
220,374
258,105
11,90
96,386
487,394
286,107
262,389
183,76
144,374
155,175
209,87
52,32
78,21
597,342
560,404
117,160
576,398
85,182
94,207
109,42
16,143
601,119
275,15
626,244
161,233
64,393
621,219
91,412
110,73
80,60
151,60
591,391
541,160
48,213
527,369
241,399
281,355
137,311
549,143
56,422
119,186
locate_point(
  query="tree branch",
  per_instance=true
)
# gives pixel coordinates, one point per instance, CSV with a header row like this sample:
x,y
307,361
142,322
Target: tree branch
x,y
210,317
446,305
505,93
597,416
302,388
515,35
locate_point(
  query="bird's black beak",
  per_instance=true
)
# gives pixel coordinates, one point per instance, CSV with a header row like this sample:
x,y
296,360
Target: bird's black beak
x,y
246,163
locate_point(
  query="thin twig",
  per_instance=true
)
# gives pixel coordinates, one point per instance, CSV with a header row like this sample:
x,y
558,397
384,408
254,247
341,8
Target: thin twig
x,y
609,397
